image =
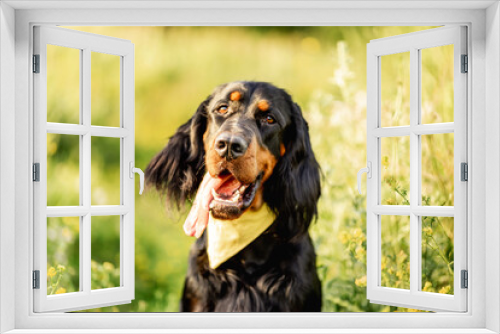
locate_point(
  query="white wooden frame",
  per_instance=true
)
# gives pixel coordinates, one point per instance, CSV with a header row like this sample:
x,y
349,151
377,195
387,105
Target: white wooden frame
x,y
86,43
483,17
414,43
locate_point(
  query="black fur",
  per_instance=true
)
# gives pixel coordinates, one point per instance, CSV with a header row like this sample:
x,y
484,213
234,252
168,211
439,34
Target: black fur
x,y
179,168
277,271
296,178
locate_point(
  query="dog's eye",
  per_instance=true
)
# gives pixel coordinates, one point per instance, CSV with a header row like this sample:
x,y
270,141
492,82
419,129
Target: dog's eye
x,y
270,119
222,109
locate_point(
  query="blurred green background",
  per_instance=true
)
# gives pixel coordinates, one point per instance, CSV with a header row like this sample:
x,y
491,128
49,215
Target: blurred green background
x,y
324,69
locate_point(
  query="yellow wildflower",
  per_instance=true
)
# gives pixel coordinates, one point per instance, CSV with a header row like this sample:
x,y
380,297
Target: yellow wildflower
x,y
108,266
445,289
360,253
344,237
357,232
361,282
402,256
60,290
385,161
427,230
51,272
427,287
51,148
383,265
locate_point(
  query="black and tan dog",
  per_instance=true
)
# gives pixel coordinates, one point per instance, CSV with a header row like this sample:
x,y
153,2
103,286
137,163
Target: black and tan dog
x,y
246,147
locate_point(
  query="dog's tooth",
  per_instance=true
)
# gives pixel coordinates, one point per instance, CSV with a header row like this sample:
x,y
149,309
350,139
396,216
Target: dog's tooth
x,y
235,197
212,205
214,193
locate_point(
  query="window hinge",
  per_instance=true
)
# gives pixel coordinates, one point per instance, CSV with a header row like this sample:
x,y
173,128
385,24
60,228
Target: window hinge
x,y
36,279
465,279
464,171
36,63
36,172
465,64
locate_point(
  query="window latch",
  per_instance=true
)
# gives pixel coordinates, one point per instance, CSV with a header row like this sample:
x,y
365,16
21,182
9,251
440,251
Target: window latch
x,y
133,170
368,171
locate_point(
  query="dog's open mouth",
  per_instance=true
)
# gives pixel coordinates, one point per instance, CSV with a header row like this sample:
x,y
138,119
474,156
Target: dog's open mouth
x,y
232,197
224,195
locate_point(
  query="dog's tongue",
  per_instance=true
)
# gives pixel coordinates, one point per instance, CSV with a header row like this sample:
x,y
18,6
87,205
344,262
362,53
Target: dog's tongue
x,y
197,219
228,187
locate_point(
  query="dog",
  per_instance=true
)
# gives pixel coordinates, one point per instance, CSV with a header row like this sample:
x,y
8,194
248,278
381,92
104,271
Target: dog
x,y
247,146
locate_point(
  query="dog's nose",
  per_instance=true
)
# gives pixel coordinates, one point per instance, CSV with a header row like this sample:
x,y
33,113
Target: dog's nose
x,y
230,146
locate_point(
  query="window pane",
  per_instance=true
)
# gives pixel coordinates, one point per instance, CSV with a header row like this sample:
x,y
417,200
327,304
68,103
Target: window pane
x,y
437,254
395,171
63,170
105,171
105,89
437,169
63,248
63,84
437,84
395,89
105,251
395,264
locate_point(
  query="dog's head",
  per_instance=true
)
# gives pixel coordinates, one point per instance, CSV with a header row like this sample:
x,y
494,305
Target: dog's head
x,y
252,140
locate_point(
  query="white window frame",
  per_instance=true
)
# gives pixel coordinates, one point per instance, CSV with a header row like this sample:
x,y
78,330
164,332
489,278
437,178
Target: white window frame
x,y
413,43
483,20
85,43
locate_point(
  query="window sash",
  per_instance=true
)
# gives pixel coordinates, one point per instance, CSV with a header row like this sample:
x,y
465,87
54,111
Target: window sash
x,y
414,298
85,298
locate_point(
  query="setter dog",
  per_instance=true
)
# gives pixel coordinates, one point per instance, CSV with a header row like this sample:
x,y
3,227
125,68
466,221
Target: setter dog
x,y
246,145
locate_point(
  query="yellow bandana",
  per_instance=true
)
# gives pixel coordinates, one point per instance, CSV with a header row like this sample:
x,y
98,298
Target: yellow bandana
x,y
227,237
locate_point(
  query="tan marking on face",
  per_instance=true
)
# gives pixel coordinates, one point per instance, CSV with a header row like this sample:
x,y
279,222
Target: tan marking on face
x,y
266,162
263,105
282,149
235,96
205,135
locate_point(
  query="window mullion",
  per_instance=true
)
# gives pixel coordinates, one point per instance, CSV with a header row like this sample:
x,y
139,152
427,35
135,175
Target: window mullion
x,y
85,161
415,243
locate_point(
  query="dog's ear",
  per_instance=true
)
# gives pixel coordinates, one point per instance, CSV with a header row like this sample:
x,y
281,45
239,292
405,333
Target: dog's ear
x,y
296,178
179,168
